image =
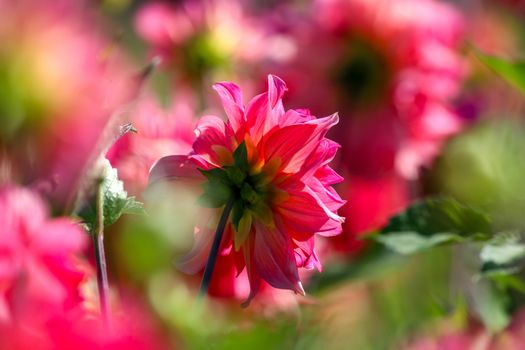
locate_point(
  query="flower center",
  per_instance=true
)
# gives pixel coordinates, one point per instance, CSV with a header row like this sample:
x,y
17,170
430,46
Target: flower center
x,y
251,190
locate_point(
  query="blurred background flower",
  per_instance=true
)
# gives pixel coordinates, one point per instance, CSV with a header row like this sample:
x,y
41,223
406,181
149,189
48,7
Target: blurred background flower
x,y
430,98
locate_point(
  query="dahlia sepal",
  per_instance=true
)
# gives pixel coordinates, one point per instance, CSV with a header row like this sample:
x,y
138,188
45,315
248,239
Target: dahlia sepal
x,y
242,229
216,194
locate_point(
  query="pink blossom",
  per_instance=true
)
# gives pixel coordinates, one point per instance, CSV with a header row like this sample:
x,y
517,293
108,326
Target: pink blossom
x,y
39,258
69,82
198,37
394,64
132,328
160,132
281,185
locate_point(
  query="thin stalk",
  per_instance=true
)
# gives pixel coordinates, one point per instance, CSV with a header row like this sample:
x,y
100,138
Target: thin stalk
x,y
100,256
210,264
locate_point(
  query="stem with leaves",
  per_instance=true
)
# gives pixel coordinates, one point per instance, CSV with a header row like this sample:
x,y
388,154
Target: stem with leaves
x,y
98,242
210,264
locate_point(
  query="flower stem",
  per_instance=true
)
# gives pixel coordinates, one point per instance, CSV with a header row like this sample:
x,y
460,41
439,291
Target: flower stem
x,y
210,264
100,256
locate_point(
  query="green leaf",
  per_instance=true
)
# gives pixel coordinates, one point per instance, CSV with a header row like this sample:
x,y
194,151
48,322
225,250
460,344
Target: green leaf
x,y
432,222
511,71
492,306
240,156
412,242
115,199
502,255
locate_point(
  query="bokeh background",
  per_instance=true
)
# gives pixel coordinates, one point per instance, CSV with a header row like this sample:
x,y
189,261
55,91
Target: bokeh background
x,y
430,95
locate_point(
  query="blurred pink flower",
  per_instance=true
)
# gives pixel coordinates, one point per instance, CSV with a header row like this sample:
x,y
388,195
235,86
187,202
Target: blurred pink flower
x,y
197,37
392,64
39,266
160,133
132,328
477,338
393,70
276,162
62,83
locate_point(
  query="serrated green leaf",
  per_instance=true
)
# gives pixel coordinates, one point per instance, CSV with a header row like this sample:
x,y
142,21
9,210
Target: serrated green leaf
x,y
511,71
432,222
115,199
133,207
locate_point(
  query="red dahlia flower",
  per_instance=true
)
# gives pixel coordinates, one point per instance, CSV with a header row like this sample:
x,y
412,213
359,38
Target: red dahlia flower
x,y
271,166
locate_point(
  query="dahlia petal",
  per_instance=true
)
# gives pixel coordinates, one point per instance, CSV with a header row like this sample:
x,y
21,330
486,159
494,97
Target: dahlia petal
x,y
195,259
211,132
266,110
322,155
293,144
276,89
290,144
58,237
309,257
305,214
274,258
173,168
253,275
231,98
294,116
328,196
327,176
39,279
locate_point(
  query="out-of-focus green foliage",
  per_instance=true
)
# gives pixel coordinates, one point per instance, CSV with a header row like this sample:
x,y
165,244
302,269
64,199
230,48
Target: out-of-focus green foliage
x,y
512,71
431,222
484,168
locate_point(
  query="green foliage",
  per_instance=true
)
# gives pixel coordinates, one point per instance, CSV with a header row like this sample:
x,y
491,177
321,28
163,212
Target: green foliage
x,y
432,222
511,71
483,167
115,200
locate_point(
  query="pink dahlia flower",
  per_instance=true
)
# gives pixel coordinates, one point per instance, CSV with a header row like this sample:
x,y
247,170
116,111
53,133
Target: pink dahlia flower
x,y
273,164
39,266
132,329
198,37
395,64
